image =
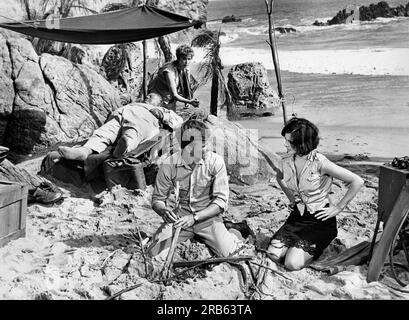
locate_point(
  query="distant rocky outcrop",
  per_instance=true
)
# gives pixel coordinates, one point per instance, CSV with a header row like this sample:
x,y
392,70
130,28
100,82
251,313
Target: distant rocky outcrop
x,y
252,94
231,18
285,29
48,100
367,13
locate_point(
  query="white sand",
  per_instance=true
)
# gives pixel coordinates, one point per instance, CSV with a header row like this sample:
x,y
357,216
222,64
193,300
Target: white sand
x,y
381,61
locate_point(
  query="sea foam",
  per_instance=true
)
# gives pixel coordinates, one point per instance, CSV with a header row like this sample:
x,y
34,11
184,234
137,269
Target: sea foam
x,y
381,61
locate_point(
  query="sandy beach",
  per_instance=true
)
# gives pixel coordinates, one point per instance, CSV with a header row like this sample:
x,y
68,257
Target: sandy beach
x,y
376,61
84,250
87,248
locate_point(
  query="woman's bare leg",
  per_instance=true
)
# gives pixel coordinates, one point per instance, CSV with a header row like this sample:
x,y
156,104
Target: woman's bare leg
x,y
276,250
297,258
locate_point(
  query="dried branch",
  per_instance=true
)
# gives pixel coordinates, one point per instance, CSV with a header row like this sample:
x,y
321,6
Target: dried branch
x,y
168,263
143,252
116,295
272,270
107,258
183,264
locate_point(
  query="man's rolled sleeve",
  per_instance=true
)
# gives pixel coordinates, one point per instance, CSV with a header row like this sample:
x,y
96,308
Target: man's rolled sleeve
x,y
220,184
163,184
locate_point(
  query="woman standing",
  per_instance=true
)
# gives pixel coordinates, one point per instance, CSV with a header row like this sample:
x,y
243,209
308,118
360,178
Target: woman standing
x,y
173,82
306,178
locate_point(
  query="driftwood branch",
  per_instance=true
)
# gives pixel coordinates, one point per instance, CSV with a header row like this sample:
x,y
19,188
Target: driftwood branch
x,y
143,251
184,264
116,295
272,44
272,270
107,258
168,263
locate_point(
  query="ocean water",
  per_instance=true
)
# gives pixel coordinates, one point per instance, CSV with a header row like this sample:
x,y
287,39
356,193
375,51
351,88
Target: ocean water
x,y
344,77
300,14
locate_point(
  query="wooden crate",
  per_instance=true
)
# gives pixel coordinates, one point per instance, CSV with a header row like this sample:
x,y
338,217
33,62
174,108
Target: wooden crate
x,y
13,209
391,182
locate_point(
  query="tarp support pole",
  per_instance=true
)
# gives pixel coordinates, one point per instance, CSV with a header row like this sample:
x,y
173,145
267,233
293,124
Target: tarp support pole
x,y
145,72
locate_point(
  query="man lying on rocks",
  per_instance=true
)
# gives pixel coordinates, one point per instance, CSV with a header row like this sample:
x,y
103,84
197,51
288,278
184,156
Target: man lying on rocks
x,y
127,127
199,178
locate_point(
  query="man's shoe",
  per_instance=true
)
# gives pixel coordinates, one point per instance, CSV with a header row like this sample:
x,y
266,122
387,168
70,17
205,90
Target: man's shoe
x,y
44,197
242,227
48,186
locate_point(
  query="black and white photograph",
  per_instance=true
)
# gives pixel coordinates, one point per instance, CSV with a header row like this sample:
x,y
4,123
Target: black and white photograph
x,y
218,152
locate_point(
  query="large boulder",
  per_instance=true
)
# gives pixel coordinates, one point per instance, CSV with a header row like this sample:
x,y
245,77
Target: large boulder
x,y
32,109
123,68
6,86
252,94
83,97
48,100
241,150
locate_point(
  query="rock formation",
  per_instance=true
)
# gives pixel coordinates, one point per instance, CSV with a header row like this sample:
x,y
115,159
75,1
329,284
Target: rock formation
x,y
6,86
231,18
48,100
123,68
285,29
251,92
368,13
244,163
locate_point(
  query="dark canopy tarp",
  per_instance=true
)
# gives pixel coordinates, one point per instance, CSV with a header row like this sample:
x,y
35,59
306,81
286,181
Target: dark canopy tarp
x,y
120,26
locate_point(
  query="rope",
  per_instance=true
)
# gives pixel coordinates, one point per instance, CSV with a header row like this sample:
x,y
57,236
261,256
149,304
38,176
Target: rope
x,y
26,24
211,20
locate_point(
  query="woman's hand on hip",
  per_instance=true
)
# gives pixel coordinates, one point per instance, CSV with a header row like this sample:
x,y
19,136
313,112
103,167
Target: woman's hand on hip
x,y
195,103
327,213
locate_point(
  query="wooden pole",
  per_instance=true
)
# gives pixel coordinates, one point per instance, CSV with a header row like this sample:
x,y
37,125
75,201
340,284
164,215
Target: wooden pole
x,y
273,47
145,72
169,258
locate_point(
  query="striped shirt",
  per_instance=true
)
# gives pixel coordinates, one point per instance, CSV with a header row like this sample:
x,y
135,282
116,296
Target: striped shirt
x,y
206,184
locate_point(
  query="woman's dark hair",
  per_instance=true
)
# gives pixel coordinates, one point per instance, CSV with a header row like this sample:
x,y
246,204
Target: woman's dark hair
x,y
304,135
183,51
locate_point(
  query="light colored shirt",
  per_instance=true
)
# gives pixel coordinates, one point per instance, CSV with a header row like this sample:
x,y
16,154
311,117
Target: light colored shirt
x,y
206,184
313,187
137,116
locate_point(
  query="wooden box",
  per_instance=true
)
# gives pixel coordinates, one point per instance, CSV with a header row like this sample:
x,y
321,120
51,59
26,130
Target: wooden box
x,y
391,182
13,209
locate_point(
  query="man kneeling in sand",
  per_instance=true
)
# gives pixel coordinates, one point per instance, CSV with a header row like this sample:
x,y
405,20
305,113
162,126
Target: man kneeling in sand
x,y
200,181
127,127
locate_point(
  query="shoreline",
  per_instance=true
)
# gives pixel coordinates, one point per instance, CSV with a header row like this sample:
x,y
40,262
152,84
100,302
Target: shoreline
x,y
341,134
369,62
